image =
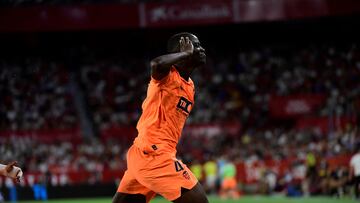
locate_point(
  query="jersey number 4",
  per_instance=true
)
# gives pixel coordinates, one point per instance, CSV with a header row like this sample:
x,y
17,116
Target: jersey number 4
x,y
178,166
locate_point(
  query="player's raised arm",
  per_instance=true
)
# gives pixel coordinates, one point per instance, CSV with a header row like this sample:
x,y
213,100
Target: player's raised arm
x,y
160,66
11,170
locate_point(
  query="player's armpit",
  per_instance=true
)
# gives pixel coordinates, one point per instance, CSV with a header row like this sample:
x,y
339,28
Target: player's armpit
x,y
160,66
157,72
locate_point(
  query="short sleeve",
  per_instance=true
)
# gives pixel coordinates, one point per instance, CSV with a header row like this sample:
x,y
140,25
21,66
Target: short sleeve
x,y
167,79
163,80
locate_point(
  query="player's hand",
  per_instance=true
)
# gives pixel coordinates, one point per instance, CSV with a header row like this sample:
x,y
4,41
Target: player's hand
x,y
10,167
186,45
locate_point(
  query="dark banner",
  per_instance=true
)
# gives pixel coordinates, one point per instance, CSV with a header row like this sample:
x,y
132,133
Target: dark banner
x,y
128,133
270,10
213,129
46,136
295,105
253,171
59,18
66,177
112,16
325,124
64,192
194,13
119,132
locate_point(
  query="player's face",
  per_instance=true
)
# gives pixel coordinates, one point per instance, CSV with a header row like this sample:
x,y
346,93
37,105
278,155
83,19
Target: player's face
x,y
199,53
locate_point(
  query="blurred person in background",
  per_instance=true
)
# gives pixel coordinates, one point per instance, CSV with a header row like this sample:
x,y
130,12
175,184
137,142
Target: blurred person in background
x,y
197,170
13,173
319,186
355,171
269,181
210,170
311,172
11,186
294,186
337,181
229,184
40,186
284,181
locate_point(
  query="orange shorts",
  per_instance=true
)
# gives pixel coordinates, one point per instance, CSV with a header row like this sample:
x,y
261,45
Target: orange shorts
x,y
228,184
150,174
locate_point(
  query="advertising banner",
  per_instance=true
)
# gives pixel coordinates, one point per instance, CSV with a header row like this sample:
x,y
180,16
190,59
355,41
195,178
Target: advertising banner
x,y
295,105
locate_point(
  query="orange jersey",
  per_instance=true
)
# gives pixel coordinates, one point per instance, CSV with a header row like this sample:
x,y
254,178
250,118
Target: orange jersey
x,y
164,112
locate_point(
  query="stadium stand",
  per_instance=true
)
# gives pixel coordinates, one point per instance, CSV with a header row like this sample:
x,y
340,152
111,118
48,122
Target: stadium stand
x,y
236,87
278,99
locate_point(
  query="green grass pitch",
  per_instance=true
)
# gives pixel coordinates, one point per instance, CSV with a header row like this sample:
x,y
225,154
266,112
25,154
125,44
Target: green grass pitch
x,y
246,199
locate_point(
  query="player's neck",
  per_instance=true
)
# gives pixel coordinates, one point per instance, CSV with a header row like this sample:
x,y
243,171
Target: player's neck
x,y
185,75
184,71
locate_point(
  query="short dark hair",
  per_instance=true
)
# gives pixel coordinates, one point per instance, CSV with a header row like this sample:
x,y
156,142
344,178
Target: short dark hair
x,y
173,42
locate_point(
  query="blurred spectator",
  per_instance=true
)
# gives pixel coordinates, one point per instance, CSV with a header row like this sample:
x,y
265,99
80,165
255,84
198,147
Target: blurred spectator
x,y
355,171
211,171
197,170
229,187
40,187
270,181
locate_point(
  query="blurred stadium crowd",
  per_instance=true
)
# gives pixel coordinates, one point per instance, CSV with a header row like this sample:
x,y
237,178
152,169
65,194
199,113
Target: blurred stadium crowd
x,y
40,94
35,96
